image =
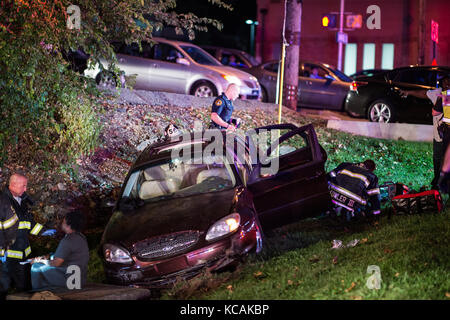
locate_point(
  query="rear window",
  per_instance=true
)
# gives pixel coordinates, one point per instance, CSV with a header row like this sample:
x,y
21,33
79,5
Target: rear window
x,y
272,67
133,49
420,77
166,52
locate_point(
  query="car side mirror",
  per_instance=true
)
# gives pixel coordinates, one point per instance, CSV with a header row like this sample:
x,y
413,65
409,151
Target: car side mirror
x,y
183,61
328,77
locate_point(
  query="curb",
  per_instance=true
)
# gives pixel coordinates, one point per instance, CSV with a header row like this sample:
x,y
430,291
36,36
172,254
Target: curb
x,y
393,131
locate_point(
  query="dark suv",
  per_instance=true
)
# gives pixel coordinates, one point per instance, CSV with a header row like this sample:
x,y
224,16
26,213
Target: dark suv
x,y
378,98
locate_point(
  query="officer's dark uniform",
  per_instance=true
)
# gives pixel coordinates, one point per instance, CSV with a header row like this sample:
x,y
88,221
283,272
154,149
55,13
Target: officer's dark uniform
x,y
354,188
224,108
12,270
438,146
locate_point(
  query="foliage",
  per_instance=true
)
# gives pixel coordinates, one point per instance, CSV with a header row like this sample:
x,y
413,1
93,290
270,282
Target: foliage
x,y
47,114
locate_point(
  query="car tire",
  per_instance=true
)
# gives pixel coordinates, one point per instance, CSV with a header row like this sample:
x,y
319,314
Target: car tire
x,y
106,80
381,111
264,96
204,89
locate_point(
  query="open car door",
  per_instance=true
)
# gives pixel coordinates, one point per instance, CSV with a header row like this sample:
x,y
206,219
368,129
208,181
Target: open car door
x,y
289,183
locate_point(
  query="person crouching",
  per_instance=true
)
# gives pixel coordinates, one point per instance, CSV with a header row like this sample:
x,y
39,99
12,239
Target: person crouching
x,y
72,250
354,188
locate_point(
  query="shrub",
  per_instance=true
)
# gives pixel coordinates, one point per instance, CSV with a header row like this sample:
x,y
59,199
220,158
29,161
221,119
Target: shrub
x,y
47,114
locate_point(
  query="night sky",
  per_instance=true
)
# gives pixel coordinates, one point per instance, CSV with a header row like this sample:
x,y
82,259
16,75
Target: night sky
x,y
235,32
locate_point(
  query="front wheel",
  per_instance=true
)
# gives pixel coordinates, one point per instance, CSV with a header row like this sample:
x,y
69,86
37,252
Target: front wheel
x,y
381,111
204,89
264,96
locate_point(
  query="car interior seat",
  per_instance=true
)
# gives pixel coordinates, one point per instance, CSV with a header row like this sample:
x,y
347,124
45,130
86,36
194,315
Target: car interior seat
x,y
157,183
213,172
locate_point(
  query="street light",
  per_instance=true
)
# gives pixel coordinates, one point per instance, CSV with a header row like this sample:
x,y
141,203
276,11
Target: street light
x,y
252,34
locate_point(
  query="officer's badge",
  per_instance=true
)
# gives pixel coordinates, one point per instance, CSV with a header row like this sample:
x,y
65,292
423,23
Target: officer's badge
x,y
218,102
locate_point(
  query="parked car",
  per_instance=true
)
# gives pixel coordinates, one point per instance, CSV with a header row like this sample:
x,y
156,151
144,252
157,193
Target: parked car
x,y
366,73
327,91
178,67
177,215
377,98
232,57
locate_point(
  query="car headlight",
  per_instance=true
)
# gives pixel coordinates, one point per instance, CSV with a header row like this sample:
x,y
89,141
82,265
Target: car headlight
x,y
116,254
224,226
232,79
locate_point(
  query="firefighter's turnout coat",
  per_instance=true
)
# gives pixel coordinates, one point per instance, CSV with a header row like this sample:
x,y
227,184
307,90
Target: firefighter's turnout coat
x,y
354,188
21,249
9,223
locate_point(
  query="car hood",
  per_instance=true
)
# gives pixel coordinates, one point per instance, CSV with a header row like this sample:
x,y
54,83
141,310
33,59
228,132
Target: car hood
x,y
197,212
232,71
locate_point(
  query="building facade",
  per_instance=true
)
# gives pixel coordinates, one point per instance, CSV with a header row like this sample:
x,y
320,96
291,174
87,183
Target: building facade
x,y
403,37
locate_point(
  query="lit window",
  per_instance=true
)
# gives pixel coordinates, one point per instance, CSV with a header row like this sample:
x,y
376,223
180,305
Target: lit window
x,y
387,58
350,58
369,56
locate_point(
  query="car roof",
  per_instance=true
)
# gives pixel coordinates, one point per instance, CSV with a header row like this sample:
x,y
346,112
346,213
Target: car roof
x,y
222,48
175,42
162,149
301,61
420,67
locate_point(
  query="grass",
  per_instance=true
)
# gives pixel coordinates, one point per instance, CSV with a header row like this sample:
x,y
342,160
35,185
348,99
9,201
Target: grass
x,y
298,262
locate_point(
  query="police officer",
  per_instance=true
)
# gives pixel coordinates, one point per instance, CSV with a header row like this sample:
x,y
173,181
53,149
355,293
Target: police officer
x,y
354,188
222,109
19,201
440,124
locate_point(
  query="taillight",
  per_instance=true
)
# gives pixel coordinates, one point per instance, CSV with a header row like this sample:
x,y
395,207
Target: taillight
x,y
357,84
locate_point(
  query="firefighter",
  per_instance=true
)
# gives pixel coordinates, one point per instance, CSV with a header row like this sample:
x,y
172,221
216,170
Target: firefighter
x,y
12,268
354,188
9,223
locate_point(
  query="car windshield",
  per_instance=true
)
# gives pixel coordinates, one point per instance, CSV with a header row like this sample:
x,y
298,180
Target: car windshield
x,y
200,56
178,177
341,76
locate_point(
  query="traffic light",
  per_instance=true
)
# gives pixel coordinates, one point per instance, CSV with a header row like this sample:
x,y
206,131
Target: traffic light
x,y
353,21
329,20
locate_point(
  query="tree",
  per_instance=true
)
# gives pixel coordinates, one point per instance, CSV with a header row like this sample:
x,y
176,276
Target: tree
x,y
46,107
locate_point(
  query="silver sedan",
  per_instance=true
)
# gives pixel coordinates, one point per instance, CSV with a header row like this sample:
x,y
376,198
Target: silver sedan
x,y
178,67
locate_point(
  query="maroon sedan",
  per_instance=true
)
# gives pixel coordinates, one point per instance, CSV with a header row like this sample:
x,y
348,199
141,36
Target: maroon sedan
x,y
191,204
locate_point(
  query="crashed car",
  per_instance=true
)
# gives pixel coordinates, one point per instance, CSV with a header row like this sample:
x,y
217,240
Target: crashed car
x,y
183,208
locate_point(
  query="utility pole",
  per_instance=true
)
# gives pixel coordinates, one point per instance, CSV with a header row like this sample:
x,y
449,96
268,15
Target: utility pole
x,y
341,31
421,57
293,26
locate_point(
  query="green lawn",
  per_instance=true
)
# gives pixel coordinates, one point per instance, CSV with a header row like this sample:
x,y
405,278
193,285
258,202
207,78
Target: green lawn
x,y
298,262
